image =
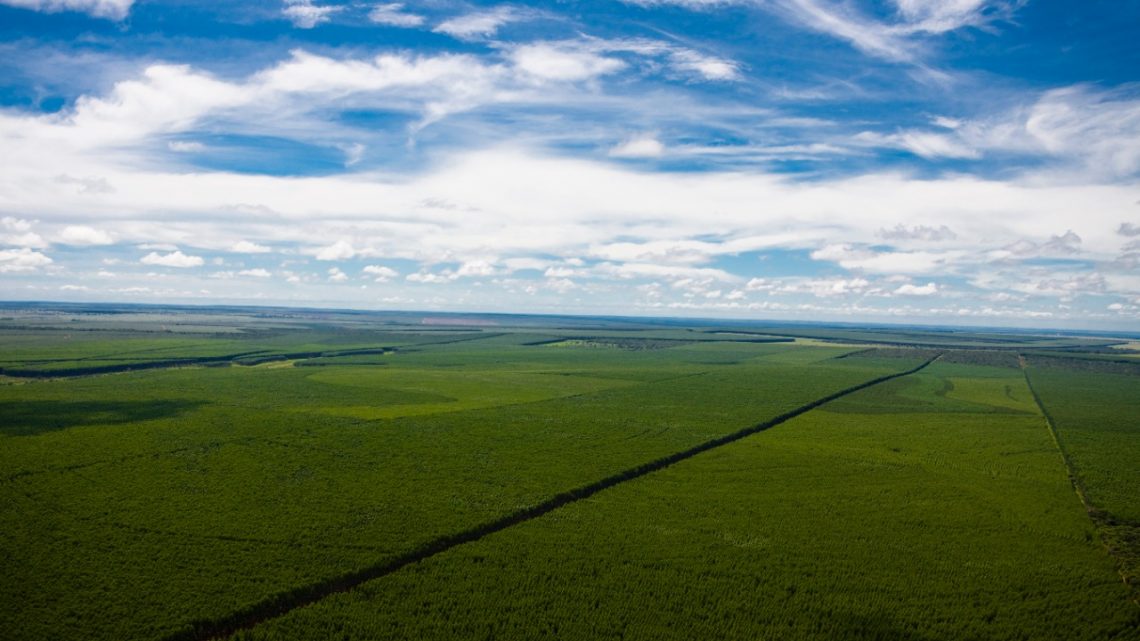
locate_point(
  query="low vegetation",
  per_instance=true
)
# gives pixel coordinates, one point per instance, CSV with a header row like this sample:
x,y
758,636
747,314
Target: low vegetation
x,y
163,496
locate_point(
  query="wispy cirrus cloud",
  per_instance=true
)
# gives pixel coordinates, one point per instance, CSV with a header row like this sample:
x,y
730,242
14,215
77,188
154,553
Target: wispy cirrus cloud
x,y
109,9
893,40
482,24
1094,130
392,14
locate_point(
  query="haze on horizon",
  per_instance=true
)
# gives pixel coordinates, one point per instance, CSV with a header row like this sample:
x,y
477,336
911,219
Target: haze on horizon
x,y
967,162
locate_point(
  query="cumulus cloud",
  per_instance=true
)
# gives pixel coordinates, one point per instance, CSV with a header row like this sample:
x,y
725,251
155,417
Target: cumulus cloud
x,y
84,235
18,232
393,15
255,273
306,15
173,259
340,250
429,277
22,260
908,289
476,268
826,287
247,247
109,9
11,223
336,275
381,273
1066,244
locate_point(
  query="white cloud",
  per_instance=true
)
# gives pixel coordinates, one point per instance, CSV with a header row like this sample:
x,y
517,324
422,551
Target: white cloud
x,y
869,261
561,62
839,21
110,9
21,260
481,24
353,153
708,67
336,275
183,146
918,232
247,247
18,232
946,122
925,144
306,15
939,16
643,146
828,287
519,200
1066,244
692,5
562,272
1101,126
12,223
908,289
393,15
173,259
86,185
476,268
894,40
1082,126
678,273
255,273
27,239
340,250
84,235
381,273
428,277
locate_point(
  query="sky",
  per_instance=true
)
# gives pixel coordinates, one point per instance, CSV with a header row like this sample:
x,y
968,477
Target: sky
x,y
970,162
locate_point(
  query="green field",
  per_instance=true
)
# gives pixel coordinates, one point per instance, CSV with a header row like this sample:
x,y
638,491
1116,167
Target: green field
x,y
335,475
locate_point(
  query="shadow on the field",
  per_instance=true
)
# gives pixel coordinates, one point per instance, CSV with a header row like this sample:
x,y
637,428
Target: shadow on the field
x,y
28,418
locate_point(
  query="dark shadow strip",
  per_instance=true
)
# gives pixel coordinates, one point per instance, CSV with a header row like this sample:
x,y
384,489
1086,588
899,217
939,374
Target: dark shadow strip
x,y
284,602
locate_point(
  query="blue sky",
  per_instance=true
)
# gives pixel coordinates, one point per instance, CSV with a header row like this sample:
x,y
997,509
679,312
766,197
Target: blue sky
x,y
946,161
